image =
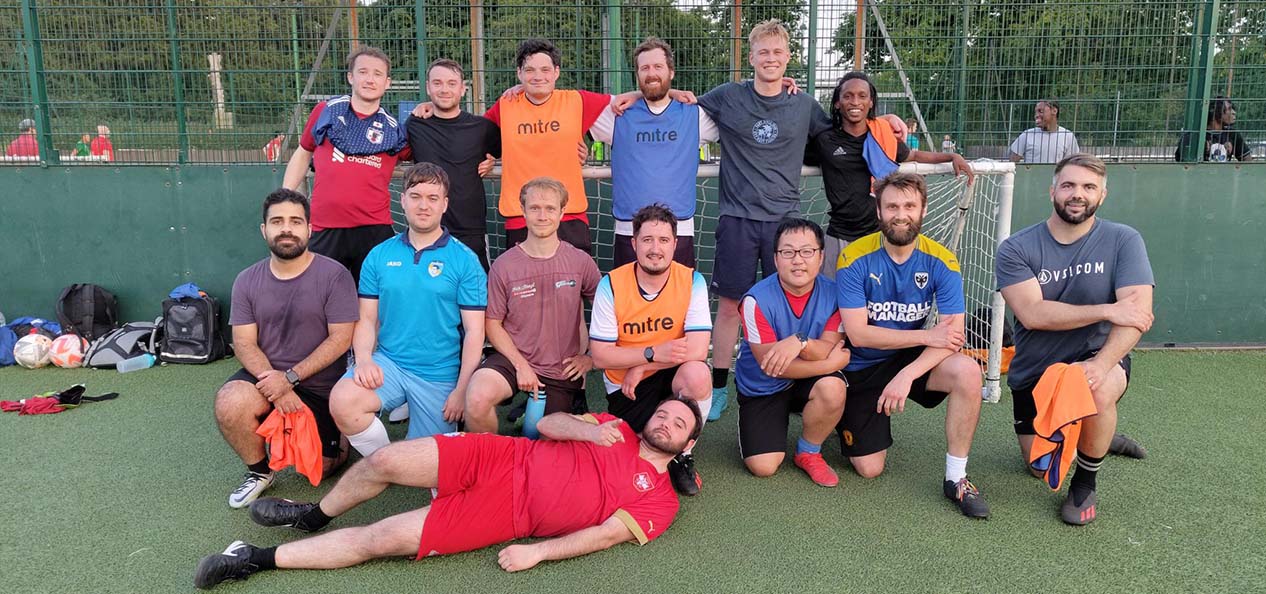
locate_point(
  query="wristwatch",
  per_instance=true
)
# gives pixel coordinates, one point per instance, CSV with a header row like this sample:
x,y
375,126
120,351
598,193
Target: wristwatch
x,y
649,353
292,377
804,342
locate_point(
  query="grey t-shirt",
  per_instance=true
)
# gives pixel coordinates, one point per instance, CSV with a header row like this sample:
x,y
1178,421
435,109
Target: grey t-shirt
x,y
292,314
762,144
1085,272
1036,145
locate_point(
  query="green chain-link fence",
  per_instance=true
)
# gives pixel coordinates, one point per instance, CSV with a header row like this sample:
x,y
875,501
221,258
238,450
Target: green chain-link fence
x,y
185,81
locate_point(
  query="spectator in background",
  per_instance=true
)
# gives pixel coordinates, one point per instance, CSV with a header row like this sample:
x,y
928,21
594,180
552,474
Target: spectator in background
x,y
272,150
912,139
82,148
101,145
25,144
1221,142
1047,142
948,146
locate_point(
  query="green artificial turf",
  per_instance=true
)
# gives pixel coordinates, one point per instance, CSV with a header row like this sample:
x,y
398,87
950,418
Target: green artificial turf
x,y
127,495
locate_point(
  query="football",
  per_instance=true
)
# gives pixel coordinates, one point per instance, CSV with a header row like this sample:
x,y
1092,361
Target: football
x,y
68,351
32,351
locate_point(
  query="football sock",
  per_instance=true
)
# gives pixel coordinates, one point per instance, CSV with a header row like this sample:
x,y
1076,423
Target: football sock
x,y
1083,483
705,406
264,558
804,446
260,467
315,518
720,377
955,468
371,439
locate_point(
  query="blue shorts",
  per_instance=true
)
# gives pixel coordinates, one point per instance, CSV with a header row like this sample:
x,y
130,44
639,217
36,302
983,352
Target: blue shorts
x,y
426,399
744,243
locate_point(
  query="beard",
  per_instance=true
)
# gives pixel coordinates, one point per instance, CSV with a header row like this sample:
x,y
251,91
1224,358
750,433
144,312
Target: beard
x,y
1075,219
287,252
899,237
662,442
653,94
653,271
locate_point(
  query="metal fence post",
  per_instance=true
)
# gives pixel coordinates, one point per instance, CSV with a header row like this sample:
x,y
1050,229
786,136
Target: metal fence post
x,y
617,47
419,39
1200,80
812,61
961,92
178,84
39,91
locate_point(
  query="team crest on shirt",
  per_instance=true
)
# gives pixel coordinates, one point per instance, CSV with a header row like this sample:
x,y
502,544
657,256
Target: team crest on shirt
x,y
642,482
764,131
374,135
435,268
921,280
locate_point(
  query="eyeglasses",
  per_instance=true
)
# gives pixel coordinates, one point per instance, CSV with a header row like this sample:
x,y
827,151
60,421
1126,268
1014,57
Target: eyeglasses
x,y
805,253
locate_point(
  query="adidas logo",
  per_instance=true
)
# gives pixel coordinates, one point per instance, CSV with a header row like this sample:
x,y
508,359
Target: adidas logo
x,y
839,150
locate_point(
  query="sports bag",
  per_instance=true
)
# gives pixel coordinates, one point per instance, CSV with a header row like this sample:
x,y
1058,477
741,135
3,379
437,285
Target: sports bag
x,y
7,341
192,330
23,326
87,310
133,339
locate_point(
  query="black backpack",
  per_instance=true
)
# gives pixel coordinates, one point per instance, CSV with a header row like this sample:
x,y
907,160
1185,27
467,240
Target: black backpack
x,y
192,331
133,339
87,310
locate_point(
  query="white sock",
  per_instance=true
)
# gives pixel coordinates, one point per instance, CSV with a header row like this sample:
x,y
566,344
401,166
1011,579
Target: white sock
x,y
371,439
955,467
705,406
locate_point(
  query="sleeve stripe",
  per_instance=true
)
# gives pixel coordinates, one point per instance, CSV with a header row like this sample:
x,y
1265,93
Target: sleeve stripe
x,y
366,296
697,329
632,525
472,307
588,418
602,339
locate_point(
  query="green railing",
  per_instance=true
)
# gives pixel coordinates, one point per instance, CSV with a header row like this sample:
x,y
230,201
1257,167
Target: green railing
x,y
181,81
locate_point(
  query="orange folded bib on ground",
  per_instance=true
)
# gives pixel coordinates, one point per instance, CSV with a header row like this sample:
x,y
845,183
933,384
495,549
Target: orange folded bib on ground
x,y
293,440
1063,399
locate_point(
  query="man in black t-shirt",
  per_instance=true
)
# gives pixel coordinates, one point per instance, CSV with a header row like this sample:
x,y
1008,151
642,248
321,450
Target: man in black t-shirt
x,y
1221,142
847,170
465,146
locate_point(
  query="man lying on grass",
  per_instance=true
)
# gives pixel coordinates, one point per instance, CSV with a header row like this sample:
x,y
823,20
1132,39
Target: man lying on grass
x,y
592,483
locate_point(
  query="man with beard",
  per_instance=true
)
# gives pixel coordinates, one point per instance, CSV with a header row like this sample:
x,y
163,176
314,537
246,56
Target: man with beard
x,y
888,284
650,331
1047,142
1222,142
536,315
292,319
352,144
1081,289
590,484
464,145
655,147
421,329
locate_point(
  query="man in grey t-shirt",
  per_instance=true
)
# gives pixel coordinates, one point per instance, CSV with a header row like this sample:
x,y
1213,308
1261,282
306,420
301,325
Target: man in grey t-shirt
x,y
1047,142
292,319
1081,290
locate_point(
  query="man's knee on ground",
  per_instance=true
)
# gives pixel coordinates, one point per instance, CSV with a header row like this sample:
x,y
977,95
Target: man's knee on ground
x,y
763,465
830,391
868,466
238,402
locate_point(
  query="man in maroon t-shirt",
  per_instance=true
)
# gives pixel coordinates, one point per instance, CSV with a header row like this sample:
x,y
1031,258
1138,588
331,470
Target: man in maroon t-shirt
x,y
351,201
590,484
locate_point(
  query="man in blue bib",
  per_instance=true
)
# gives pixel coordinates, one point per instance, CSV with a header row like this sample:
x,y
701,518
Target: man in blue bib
x,y
888,284
791,358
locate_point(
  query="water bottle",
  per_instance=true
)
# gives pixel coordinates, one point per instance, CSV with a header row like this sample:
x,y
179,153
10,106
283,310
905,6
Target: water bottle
x,y
141,361
535,410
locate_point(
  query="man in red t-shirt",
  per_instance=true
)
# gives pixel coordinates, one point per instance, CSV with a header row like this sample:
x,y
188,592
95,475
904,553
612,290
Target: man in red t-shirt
x,y
25,145
591,484
101,145
352,144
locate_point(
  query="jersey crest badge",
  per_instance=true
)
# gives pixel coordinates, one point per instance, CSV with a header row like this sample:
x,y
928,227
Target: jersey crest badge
x,y
921,280
642,482
435,268
374,135
764,131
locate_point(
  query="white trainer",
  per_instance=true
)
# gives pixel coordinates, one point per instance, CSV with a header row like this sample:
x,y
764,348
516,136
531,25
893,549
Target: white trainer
x,y
253,484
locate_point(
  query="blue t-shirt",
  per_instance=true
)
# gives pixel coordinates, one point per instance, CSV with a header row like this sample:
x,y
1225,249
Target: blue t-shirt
x,y
655,158
420,296
771,298
897,296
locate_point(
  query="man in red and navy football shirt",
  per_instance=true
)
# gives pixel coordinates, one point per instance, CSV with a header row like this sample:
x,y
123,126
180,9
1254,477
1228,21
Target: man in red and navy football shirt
x,y
352,144
590,484
791,358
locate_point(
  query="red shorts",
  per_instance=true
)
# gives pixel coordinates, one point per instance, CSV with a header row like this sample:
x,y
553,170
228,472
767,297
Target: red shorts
x,y
474,502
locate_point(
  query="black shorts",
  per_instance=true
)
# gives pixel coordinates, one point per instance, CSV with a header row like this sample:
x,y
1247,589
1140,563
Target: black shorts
x,y
652,390
478,243
864,431
350,246
318,401
763,419
1025,410
684,255
575,232
744,243
560,395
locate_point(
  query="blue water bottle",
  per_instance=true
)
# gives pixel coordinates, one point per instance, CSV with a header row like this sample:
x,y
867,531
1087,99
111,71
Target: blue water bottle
x,y
535,410
137,363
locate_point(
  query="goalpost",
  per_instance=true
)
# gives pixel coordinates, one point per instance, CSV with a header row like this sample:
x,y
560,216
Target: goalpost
x,y
969,220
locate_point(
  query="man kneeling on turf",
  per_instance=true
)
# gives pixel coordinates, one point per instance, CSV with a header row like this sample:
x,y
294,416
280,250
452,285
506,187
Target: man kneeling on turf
x,y
292,319
592,483
888,282
791,358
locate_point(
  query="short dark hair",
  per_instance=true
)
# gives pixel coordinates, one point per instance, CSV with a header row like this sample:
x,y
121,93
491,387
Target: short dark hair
x,y
426,173
1053,104
286,195
1218,106
367,50
534,46
902,181
694,411
837,118
653,43
793,224
445,63
653,213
